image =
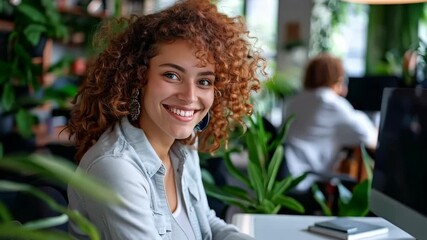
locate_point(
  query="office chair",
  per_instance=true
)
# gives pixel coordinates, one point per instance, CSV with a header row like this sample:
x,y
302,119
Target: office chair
x,y
326,182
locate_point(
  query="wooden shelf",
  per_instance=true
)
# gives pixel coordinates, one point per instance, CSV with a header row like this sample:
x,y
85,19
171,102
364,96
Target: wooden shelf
x,y
6,25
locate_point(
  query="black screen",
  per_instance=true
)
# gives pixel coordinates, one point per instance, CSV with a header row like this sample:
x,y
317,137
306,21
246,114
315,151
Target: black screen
x,y
365,93
401,160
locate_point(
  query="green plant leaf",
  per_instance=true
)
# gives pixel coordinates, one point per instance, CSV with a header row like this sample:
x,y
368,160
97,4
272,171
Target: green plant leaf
x,y
320,199
60,96
5,69
280,84
368,162
255,139
62,170
24,65
281,186
46,222
207,176
266,206
359,203
31,12
273,167
256,179
33,32
4,213
17,72
254,151
218,193
260,133
283,132
58,169
297,180
234,171
9,186
266,192
8,97
62,64
290,203
33,81
23,55
85,225
53,18
14,231
277,209
344,194
236,191
24,122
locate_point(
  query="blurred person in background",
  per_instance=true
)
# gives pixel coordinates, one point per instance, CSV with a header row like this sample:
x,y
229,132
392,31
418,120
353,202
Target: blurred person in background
x,y
325,122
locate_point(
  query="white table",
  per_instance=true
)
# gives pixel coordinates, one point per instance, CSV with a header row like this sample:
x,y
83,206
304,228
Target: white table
x,y
294,227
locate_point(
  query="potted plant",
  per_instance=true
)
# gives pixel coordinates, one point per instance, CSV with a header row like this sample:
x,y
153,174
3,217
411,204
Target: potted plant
x,y
55,170
33,24
261,190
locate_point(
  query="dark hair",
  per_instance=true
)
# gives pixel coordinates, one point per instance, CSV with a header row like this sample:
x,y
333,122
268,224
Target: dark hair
x,y
122,66
324,70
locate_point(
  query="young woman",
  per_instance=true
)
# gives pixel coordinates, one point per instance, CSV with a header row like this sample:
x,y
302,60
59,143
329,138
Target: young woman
x,y
169,84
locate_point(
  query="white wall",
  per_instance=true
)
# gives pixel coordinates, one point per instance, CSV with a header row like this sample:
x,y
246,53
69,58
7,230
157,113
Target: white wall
x,y
298,11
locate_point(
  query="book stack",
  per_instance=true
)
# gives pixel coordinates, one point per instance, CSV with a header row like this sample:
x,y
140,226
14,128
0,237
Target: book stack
x,y
345,228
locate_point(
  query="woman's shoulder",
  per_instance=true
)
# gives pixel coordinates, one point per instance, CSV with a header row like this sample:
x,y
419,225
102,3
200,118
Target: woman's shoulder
x,y
330,98
115,166
112,148
102,155
108,144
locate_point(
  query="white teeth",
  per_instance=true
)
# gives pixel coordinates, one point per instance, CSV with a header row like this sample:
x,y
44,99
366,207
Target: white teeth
x,y
182,113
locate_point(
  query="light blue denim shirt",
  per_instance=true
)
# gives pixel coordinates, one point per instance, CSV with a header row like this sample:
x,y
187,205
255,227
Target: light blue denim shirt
x,y
124,160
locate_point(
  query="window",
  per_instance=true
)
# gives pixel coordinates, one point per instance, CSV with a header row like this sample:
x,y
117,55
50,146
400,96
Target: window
x,y
261,17
349,39
263,28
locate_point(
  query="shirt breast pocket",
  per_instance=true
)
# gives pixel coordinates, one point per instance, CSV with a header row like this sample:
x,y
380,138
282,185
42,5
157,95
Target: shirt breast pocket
x,y
193,190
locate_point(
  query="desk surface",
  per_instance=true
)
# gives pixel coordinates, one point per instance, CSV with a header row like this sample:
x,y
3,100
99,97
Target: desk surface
x,y
274,227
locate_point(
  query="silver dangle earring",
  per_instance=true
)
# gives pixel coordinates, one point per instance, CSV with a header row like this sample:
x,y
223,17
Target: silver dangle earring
x,y
202,125
134,106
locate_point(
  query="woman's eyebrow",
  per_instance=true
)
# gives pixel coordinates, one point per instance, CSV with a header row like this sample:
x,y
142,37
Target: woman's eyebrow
x,y
172,65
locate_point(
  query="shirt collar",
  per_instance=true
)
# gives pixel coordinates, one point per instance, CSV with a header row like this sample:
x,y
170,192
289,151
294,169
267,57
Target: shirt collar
x,y
138,140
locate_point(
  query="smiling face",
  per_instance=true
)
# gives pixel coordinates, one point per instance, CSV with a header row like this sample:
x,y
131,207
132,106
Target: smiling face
x,y
178,94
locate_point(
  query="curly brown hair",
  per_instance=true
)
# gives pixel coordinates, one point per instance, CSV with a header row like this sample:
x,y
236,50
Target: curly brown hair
x,y
103,99
323,70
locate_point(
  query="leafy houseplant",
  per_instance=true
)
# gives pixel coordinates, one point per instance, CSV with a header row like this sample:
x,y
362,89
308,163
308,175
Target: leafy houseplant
x,y
266,193
55,170
34,22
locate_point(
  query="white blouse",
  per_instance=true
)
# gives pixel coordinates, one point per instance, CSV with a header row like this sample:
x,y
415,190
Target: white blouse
x,y
181,227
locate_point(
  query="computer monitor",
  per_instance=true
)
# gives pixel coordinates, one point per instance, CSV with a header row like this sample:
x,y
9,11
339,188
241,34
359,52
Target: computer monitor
x,y
365,93
399,188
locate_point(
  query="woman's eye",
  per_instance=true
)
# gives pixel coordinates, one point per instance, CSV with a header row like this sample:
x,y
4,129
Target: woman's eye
x,y
205,82
171,76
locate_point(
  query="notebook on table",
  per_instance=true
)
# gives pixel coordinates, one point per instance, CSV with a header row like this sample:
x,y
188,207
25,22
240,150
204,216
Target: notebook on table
x,y
344,228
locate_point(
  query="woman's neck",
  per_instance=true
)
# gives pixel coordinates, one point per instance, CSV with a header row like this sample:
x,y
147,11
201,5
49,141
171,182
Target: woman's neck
x,y
161,142
161,146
